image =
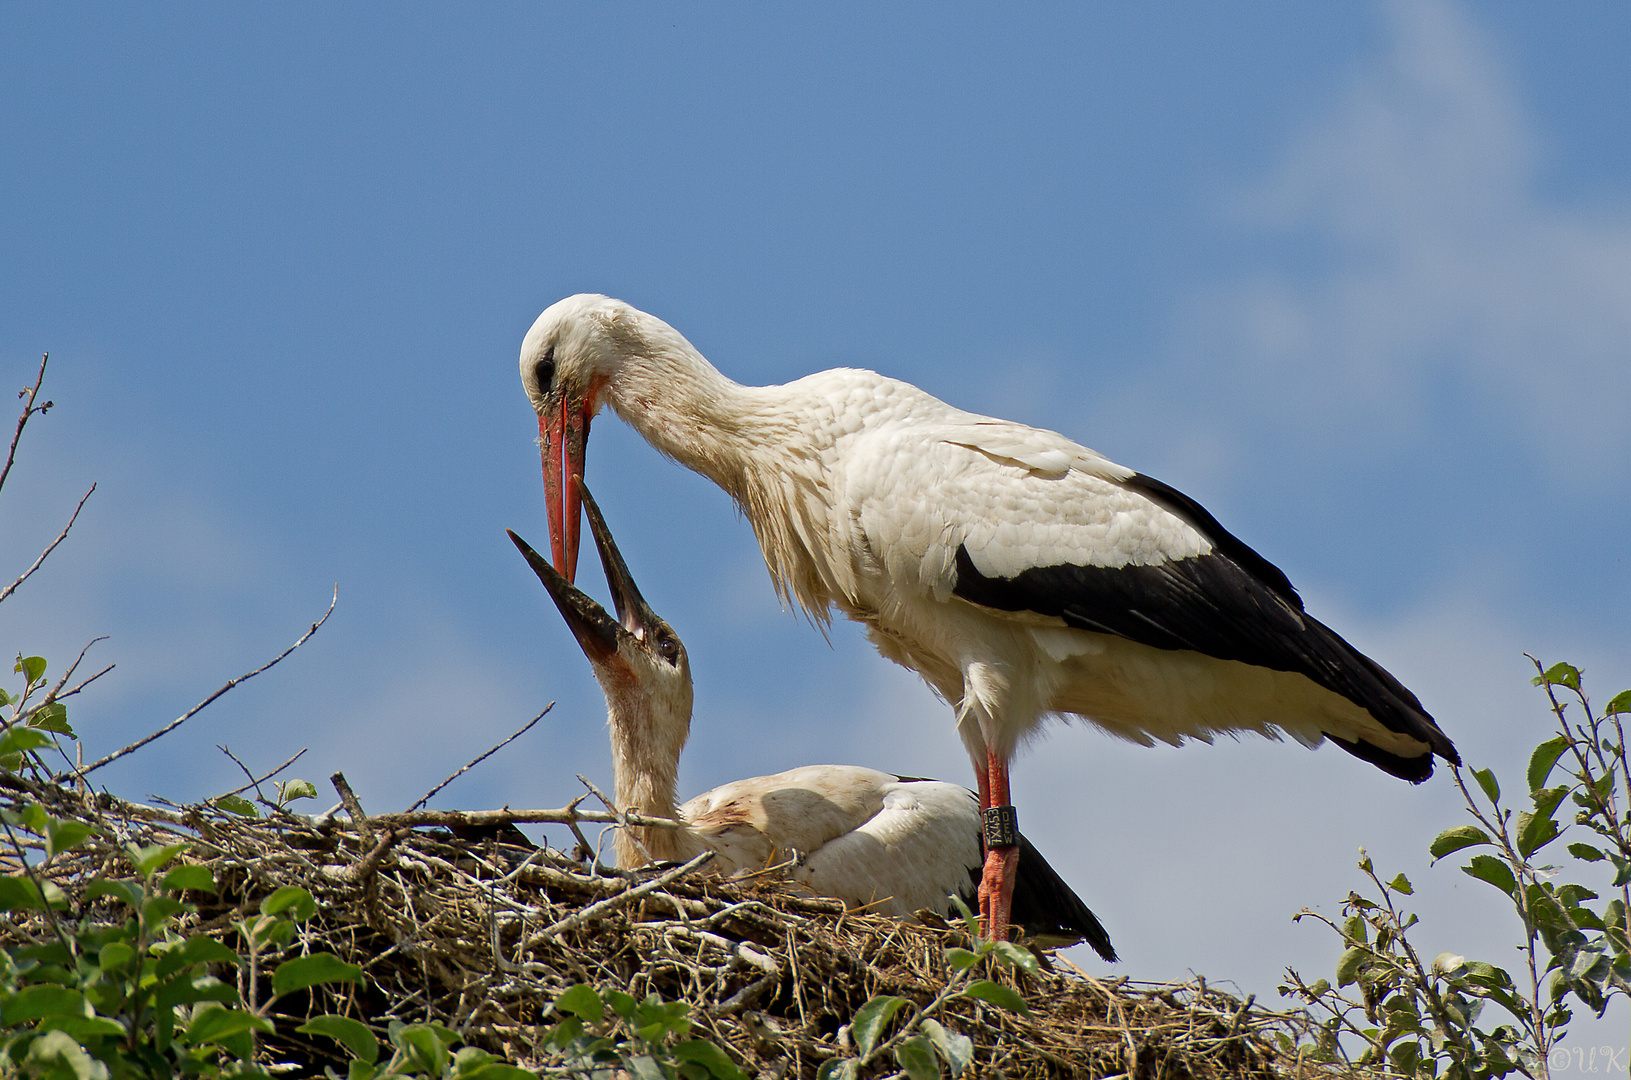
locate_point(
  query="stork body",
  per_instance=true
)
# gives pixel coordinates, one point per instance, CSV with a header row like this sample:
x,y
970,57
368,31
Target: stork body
x,y
872,839
1021,574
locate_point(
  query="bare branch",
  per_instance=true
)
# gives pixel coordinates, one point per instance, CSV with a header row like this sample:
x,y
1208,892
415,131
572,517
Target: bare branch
x,y
196,709
429,794
353,806
622,817
63,535
254,781
22,421
56,693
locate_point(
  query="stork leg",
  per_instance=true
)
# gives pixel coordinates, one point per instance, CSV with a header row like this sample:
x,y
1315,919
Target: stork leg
x,y
1001,850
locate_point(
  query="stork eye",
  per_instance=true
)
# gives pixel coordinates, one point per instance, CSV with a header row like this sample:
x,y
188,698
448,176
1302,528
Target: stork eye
x,y
544,373
668,648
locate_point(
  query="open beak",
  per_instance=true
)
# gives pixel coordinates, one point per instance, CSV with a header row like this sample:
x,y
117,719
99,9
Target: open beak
x,y
595,630
632,610
563,432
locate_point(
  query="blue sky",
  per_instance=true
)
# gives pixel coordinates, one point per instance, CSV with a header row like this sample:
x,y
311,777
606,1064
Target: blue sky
x,y
1357,277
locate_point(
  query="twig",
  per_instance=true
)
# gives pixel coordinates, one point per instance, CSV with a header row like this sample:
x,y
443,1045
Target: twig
x,y
353,806
63,535
621,817
363,868
22,421
196,709
429,794
256,782
594,911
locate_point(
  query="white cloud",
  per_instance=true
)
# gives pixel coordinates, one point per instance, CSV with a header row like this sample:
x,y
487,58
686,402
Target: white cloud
x,y
1426,263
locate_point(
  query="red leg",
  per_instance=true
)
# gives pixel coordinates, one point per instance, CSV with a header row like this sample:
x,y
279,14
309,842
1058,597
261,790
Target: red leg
x,y
1001,861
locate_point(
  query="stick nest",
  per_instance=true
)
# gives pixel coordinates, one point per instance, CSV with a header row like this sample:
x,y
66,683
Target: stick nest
x,y
481,936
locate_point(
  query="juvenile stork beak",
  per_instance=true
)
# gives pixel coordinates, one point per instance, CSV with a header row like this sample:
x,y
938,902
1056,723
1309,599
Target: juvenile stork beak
x,y
597,632
632,610
563,432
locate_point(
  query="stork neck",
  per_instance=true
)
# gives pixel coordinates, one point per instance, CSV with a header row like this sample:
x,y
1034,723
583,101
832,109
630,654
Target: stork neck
x,y
645,767
688,410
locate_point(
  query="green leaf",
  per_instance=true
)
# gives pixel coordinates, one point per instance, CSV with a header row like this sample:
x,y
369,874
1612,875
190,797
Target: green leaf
x,y
31,668
65,836
19,739
236,804
43,999
52,717
583,1002
1620,703
5,698
958,1050
215,1025
1457,838
844,1069
1586,852
710,1057
497,1070
655,1019
961,959
1486,780
1401,884
189,877
159,909
1534,833
17,893
643,1067
622,1004
1542,760
293,899
150,860
304,971
1559,675
916,1058
870,1020
998,995
129,892
115,955
84,1027
354,1035
299,789
199,949
1349,963
1015,956
1489,868
425,1046
57,1056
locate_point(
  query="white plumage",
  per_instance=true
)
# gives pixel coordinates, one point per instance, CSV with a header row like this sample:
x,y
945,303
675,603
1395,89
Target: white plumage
x,y
1023,575
872,839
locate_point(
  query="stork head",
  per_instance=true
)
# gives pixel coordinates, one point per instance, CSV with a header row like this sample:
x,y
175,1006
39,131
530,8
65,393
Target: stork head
x,y
570,363
637,657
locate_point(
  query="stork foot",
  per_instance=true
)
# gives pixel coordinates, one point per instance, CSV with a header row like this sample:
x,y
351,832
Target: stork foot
x,y
997,891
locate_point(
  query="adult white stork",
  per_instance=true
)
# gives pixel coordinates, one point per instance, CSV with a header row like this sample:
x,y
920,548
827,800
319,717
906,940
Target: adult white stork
x,y
895,844
1021,574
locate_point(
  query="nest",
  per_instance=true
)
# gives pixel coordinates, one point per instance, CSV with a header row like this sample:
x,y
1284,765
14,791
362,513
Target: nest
x,y
482,935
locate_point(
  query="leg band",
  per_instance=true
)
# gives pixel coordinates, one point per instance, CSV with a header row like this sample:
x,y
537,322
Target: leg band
x,y
1001,827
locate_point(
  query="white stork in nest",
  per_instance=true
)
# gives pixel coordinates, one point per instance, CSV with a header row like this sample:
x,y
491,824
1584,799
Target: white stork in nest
x,y
1021,574
895,844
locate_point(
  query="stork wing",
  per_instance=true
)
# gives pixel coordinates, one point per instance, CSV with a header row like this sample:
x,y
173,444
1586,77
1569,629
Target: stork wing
x,y
986,517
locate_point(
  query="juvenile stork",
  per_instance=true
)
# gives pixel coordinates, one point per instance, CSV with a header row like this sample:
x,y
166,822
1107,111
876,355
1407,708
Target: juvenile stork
x,y
1021,574
896,844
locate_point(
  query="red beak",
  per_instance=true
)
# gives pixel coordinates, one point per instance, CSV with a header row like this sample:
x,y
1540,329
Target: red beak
x,y
564,431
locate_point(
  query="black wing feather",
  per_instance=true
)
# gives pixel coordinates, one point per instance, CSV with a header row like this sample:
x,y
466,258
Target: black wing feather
x,y
1231,604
